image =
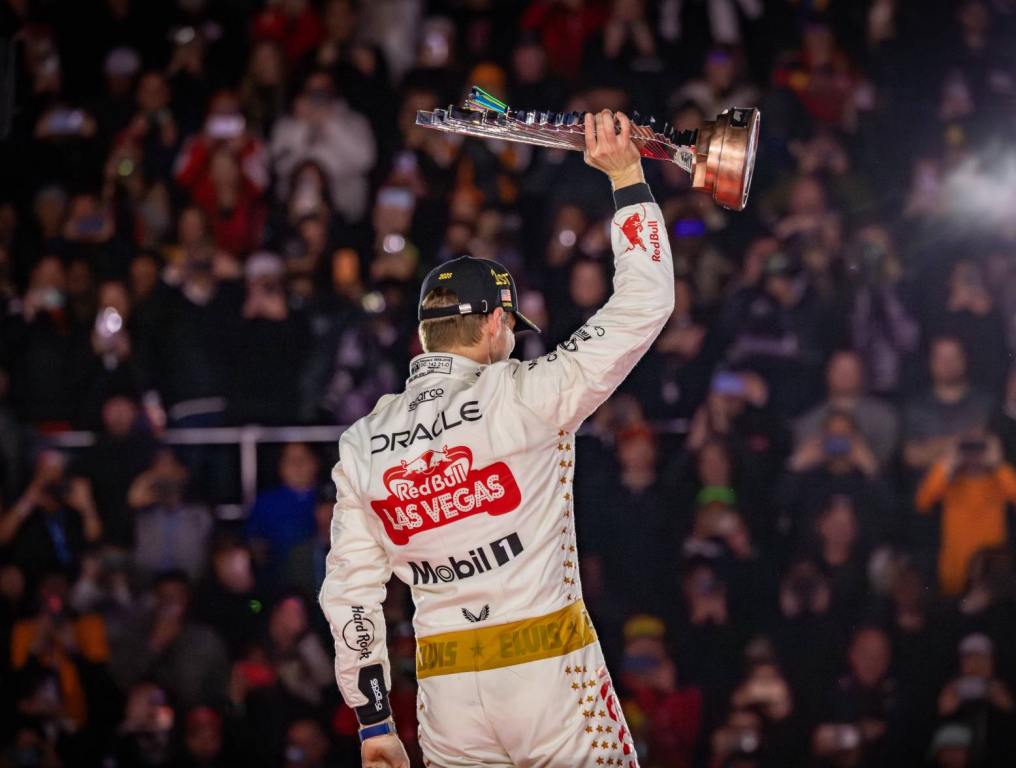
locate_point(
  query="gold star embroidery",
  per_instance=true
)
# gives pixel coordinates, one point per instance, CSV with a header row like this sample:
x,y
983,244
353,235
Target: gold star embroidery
x,y
564,480
575,686
589,699
599,729
571,549
615,745
608,729
569,564
602,713
561,433
599,761
589,729
560,446
567,497
596,745
567,670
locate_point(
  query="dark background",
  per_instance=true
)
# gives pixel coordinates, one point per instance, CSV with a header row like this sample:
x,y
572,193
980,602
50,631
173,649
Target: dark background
x,y
793,517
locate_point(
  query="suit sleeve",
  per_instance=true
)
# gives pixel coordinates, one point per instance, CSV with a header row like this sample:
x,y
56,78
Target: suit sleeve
x,y
568,384
356,572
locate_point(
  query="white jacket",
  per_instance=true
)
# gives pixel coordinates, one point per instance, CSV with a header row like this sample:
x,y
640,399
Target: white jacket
x,y
462,484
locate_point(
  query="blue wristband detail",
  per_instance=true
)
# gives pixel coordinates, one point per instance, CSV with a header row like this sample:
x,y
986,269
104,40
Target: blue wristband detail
x,y
377,730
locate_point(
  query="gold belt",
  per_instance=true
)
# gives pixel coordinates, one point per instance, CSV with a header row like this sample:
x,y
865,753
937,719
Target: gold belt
x,y
504,645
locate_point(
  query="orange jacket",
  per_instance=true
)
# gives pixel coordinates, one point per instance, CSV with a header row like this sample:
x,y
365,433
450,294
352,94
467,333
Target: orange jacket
x,y
973,516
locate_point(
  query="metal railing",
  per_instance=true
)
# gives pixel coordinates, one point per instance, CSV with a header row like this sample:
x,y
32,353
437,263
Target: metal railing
x,y
247,438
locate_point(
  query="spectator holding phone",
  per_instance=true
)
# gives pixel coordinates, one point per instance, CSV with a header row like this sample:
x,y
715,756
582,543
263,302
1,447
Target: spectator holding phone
x,y
972,484
225,129
863,702
978,697
845,392
55,518
667,718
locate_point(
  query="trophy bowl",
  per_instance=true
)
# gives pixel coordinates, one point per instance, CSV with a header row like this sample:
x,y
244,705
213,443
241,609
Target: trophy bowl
x,y
725,152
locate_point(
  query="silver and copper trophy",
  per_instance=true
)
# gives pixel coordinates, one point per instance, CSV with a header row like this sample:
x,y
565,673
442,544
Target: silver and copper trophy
x,y
720,156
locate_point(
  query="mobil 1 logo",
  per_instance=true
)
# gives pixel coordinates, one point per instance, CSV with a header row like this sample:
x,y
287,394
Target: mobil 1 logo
x,y
480,560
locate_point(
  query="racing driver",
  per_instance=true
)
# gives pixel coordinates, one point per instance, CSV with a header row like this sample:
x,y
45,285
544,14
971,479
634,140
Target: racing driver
x,y
462,486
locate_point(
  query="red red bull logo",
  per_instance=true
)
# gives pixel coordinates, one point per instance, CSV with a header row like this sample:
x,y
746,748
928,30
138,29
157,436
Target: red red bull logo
x,y
631,228
441,487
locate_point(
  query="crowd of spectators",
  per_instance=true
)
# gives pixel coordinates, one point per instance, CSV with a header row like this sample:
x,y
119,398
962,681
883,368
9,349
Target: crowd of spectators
x,y
794,517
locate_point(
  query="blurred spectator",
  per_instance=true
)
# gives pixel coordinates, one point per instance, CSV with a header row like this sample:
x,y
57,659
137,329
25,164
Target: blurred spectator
x,y
44,340
225,164
305,566
56,647
283,516
203,740
841,551
229,600
936,419
882,328
862,705
263,90
1004,423
666,718
49,527
782,333
270,348
722,84
636,494
951,746
974,487
971,317
837,461
165,645
808,638
145,736
122,451
845,387
307,746
170,533
707,635
977,697
324,129
294,24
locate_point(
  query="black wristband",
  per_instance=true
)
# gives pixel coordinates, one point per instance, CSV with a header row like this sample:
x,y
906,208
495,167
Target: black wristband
x,y
633,194
372,685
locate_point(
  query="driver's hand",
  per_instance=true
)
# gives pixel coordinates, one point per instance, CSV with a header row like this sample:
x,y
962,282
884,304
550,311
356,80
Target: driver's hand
x,y
384,752
611,152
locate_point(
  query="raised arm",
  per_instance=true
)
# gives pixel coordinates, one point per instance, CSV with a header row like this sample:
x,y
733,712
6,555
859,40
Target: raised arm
x,y
568,384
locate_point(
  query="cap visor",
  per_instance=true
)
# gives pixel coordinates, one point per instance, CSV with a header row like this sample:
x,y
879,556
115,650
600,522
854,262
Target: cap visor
x,y
523,323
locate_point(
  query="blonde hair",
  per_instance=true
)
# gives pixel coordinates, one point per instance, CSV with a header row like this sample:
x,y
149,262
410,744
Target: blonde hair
x,y
443,333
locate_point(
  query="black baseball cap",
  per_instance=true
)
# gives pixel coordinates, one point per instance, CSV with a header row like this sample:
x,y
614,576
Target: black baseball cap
x,y
481,287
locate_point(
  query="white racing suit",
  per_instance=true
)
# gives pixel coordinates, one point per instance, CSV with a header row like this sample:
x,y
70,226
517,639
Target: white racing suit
x,y
462,486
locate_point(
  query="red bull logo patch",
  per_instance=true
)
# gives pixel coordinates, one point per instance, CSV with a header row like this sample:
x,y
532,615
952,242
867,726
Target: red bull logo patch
x,y
633,227
441,487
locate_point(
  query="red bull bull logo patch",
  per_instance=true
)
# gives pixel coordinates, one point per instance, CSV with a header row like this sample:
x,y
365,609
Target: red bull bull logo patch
x,y
441,487
633,228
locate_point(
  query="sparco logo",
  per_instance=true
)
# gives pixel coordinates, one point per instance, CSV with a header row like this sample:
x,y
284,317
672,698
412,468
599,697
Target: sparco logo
x,y
476,561
379,696
425,396
358,634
